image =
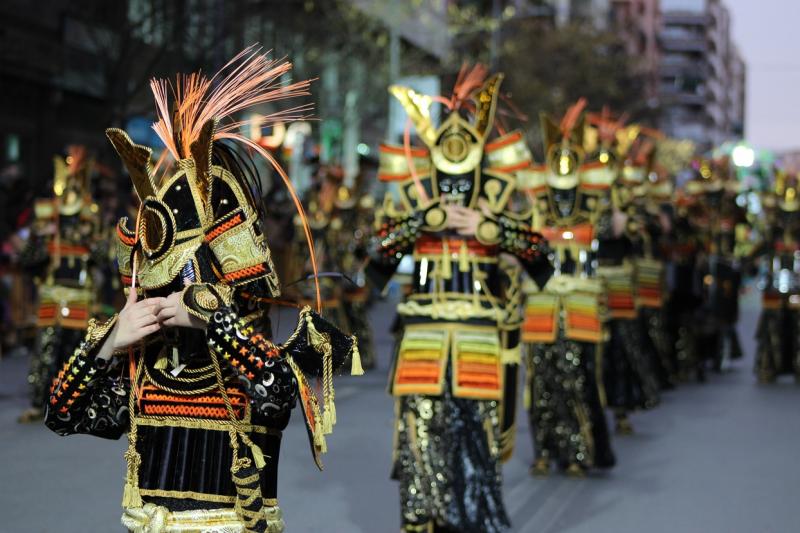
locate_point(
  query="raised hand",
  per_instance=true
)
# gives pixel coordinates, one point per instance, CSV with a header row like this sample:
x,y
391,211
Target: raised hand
x,y
171,312
464,220
136,321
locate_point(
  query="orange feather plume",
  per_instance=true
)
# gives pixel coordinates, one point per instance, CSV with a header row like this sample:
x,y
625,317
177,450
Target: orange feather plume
x,y
253,79
571,117
607,126
249,79
468,81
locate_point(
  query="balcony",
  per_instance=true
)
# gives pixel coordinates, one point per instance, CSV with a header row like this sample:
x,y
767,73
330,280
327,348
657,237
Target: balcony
x,y
678,65
673,93
679,44
717,67
685,18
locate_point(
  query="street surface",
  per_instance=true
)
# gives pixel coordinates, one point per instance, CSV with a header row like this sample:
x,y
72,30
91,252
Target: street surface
x,y
719,457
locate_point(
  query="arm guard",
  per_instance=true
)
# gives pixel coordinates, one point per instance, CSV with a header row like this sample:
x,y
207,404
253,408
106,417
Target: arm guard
x,y
262,366
88,397
515,237
395,238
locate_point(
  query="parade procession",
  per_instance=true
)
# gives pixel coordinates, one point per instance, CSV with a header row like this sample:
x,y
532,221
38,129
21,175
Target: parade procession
x,y
455,266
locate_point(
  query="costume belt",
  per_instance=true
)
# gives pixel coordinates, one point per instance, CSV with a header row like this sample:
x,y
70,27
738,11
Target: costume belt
x,y
451,310
771,299
152,518
67,250
566,284
428,245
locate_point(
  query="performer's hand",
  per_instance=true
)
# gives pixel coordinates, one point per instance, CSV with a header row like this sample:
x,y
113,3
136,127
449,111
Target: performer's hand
x,y
136,321
172,313
462,219
465,220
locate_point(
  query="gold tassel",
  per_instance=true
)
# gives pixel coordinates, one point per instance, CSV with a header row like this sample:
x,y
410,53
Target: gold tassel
x,y
130,494
463,258
355,362
319,438
321,343
131,498
161,364
258,456
327,423
316,339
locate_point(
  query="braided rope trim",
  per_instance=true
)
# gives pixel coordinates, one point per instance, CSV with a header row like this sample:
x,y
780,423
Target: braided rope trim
x,y
224,227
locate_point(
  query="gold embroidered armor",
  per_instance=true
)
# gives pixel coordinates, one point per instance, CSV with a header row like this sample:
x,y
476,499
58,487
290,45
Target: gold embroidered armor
x,y
204,407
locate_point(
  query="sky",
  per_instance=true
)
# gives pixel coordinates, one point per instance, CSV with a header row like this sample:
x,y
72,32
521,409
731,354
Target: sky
x,y
768,35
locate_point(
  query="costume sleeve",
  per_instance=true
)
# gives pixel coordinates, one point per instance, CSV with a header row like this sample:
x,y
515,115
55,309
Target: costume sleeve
x,y
394,238
88,396
515,237
235,339
265,369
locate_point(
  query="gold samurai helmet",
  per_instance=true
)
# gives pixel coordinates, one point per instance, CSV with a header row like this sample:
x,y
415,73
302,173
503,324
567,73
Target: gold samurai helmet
x,y
606,139
457,145
201,221
563,145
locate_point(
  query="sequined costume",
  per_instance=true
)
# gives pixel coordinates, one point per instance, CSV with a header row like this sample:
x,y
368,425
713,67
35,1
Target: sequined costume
x,y
719,220
564,321
653,199
203,408
630,381
684,247
651,293
448,373
778,330
61,252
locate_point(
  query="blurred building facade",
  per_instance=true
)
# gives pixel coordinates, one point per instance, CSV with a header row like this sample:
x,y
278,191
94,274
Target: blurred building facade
x,y
702,75
638,23
41,110
67,71
694,76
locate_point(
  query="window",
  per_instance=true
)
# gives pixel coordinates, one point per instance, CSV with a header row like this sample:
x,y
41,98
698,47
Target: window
x,y
12,148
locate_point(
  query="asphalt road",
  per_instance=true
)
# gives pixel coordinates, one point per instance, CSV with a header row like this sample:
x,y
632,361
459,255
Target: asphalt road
x,y
719,457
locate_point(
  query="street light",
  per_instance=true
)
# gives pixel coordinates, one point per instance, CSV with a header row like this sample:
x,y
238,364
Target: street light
x,y
743,156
